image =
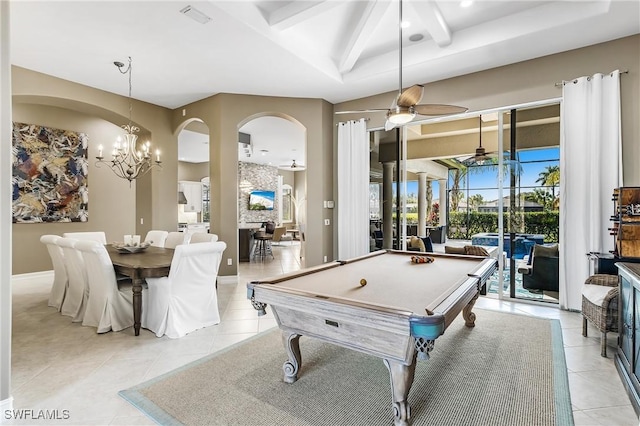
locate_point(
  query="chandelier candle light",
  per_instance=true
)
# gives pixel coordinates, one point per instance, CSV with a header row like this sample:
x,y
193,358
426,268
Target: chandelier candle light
x,y
127,161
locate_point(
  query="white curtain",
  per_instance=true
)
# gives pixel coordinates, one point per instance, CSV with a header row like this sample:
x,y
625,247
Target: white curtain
x,y
353,189
590,168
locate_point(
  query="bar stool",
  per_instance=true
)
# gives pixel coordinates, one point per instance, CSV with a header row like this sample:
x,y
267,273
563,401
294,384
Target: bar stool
x,y
262,247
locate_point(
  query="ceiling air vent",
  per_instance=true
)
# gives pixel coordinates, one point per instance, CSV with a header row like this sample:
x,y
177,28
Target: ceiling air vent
x,y
195,14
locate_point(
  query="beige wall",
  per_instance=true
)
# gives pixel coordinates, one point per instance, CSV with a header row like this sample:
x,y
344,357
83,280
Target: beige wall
x,y
113,206
534,80
224,114
193,172
110,198
516,84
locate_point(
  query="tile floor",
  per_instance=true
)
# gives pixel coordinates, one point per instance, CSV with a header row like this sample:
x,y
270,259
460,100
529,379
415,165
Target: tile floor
x,y
58,365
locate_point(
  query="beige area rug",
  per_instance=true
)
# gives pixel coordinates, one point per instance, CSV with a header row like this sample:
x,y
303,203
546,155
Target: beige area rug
x,y
508,370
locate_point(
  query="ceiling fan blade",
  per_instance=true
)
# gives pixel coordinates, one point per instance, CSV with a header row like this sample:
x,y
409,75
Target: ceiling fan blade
x,y
388,125
360,111
439,109
410,96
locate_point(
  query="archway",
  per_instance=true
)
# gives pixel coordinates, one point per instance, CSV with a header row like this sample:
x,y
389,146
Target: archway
x,y
271,156
193,184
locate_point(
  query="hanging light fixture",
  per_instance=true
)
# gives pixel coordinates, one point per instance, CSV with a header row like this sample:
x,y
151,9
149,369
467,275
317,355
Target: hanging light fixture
x,y
127,161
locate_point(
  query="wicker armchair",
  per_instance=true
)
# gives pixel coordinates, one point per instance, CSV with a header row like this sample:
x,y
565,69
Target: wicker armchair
x,y
600,306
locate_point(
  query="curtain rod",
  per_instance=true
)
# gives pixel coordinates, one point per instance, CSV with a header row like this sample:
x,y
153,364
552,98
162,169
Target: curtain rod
x,y
563,82
365,119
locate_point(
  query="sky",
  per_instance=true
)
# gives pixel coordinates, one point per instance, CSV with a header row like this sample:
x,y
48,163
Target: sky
x,y
532,161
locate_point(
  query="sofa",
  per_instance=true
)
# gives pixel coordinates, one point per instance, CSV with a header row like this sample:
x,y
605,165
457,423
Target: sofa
x,y
542,275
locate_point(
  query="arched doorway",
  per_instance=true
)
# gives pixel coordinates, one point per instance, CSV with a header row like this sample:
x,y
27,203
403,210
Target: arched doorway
x,y
194,207
272,161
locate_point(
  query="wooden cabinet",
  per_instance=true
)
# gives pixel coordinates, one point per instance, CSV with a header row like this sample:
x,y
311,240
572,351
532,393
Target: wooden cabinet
x,y
245,244
193,193
626,221
628,355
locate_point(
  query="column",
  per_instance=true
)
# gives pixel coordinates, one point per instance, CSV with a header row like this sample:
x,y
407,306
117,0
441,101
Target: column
x,y
387,204
422,204
5,211
442,192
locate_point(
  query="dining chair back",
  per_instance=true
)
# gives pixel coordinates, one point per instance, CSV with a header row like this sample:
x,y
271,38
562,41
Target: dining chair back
x,y
75,298
98,236
174,239
201,237
186,300
110,302
156,238
60,279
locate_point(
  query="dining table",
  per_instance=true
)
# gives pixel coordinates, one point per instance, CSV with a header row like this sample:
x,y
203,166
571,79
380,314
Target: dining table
x,y
152,262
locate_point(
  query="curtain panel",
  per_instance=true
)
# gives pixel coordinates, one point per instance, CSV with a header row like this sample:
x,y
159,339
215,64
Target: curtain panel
x,y
353,189
590,168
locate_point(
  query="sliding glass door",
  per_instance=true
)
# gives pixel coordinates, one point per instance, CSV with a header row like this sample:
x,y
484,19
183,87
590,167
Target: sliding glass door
x,y
529,192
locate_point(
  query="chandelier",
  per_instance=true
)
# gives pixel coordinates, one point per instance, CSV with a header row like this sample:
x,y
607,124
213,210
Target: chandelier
x,y
127,160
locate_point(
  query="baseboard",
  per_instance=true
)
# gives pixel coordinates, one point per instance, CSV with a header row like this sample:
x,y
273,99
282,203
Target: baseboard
x,y
227,279
32,275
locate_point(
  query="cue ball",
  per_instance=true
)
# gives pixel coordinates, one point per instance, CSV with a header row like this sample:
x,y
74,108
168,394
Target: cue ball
x,y
363,282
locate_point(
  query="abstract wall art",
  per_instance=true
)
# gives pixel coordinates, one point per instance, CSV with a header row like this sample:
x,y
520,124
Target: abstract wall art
x,y
50,170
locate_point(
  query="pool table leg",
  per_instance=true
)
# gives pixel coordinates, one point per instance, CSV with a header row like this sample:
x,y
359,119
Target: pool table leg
x,y
291,367
401,381
470,317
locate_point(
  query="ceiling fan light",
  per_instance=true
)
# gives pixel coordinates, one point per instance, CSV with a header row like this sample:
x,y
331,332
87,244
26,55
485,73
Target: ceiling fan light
x,y
400,115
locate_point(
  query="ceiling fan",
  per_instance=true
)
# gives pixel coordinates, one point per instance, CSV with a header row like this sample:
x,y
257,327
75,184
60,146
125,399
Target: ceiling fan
x,y
482,157
293,166
405,106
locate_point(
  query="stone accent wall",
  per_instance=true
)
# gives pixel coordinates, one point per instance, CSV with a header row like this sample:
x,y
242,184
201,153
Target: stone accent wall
x,y
253,176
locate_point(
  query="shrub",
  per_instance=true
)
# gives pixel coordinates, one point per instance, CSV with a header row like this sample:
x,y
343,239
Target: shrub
x,y
463,226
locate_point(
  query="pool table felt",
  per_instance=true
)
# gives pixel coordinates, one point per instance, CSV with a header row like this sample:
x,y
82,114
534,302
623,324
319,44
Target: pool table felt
x,y
392,280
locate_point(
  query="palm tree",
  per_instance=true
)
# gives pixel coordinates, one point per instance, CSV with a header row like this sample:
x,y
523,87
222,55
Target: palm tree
x,y
476,201
457,177
550,176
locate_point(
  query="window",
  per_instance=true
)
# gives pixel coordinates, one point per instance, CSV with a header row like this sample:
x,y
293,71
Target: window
x,y
287,204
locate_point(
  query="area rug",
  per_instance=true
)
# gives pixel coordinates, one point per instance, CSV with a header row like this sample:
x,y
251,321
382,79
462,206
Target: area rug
x,y
508,370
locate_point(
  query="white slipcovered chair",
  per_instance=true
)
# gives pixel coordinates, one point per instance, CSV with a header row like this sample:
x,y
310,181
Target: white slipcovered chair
x,y
110,302
60,279
174,239
156,238
75,298
186,300
201,237
98,236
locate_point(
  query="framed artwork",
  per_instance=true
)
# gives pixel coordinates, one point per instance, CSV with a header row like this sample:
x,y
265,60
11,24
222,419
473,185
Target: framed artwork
x,y
50,170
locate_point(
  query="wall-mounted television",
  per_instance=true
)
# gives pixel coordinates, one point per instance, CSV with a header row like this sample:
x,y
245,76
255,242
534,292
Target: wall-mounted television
x,y
261,200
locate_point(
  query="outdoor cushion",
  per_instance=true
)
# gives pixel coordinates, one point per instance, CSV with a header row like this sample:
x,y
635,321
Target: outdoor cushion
x,y
475,251
417,243
454,250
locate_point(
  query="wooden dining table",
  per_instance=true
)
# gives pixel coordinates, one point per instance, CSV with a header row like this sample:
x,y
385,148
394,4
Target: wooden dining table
x,y
154,262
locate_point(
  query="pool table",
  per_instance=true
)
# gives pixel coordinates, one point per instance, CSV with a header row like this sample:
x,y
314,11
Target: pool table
x,y
381,304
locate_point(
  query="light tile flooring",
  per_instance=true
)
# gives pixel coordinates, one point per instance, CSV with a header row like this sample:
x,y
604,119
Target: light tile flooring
x,y
58,365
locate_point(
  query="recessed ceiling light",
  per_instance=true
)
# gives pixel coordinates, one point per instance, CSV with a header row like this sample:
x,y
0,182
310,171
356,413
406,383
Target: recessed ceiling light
x,y
405,24
264,151
466,3
416,37
195,14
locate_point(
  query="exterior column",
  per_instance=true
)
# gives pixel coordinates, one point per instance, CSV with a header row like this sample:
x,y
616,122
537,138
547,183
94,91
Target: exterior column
x,y
422,204
442,192
387,204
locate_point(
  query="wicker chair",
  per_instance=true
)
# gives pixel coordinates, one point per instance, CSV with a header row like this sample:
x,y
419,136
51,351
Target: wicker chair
x,y
600,306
